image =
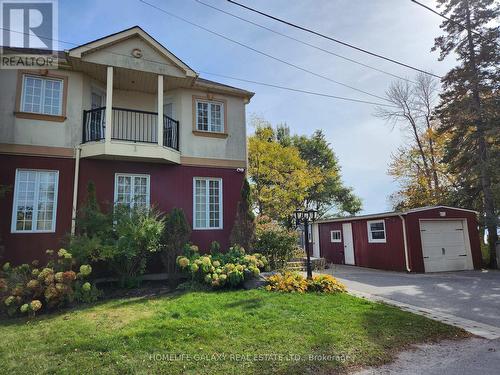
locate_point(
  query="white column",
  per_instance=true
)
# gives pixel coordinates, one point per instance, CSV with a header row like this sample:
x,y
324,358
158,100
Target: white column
x,y
160,110
109,103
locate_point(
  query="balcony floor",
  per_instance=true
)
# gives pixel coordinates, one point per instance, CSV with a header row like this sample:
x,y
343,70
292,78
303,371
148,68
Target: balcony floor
x,y
135,151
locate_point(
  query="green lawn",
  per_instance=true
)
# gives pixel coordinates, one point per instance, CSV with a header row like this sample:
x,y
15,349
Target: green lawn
x,y
214,333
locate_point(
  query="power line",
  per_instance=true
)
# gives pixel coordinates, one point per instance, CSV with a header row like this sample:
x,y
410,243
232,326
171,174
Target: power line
x,y
309,92
332,39
263,53
298,90
302,42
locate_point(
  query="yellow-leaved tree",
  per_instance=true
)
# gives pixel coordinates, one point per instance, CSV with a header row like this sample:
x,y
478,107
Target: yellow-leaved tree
x,y
281,179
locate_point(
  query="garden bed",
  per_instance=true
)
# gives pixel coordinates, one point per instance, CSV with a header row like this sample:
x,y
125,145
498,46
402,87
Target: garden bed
x,y
216,332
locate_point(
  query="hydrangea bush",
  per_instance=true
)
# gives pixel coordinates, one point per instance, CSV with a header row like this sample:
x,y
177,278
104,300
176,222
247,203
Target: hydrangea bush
x,y
28,288
293,282
222,270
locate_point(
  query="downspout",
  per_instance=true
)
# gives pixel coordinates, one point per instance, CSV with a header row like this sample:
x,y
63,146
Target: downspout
x,y
407,264
78,150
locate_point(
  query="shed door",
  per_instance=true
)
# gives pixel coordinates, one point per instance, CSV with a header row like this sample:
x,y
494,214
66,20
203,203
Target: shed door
x,y
444,246
348,244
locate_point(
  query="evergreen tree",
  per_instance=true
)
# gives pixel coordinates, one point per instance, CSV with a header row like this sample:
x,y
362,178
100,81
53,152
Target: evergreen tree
x,y
176,234
243,232
470,100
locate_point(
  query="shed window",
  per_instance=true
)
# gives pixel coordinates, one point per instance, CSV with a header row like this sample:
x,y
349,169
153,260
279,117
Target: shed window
x,y
335,236
376,231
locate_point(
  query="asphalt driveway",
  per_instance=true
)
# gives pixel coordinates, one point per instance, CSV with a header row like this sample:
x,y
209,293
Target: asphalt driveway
x,y
472,295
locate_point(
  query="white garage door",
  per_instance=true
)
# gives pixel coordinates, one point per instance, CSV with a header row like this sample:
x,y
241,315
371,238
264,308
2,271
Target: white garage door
x,y
444,246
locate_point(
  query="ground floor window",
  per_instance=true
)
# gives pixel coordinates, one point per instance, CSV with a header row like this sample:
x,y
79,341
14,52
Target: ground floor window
x,y
207,203
132,190
35,201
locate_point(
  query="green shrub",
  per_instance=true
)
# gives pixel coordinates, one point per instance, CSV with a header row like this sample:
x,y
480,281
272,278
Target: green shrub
x,y
276,242
27,289
214,247
138,232
220,270
293,282
124,239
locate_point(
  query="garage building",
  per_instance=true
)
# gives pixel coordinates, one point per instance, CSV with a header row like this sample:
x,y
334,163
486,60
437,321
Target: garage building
x,y
426,239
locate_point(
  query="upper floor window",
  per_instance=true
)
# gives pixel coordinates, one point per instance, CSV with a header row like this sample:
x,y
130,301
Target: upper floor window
x,y
209,116
42,95
35,201
207,197
376,231
132,190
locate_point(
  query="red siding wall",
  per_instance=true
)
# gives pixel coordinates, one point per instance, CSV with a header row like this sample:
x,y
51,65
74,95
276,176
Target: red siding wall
x,y
332,252
415,243
171,186
24,247
388,255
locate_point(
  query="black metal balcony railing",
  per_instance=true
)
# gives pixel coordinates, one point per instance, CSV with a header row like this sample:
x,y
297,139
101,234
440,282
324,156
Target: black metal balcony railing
x,y
131,126
93,124
170,132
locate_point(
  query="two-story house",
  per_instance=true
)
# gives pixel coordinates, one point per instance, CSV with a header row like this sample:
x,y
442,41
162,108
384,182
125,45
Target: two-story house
x,y
127,114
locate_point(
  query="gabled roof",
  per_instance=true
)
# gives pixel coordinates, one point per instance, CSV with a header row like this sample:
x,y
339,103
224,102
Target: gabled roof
x,y
208,84
134,31
391,213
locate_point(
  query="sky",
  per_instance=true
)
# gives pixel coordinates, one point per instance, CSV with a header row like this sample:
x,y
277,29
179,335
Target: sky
x,y
363,143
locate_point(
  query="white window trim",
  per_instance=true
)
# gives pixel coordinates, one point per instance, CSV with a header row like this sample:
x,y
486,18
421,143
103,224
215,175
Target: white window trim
x,y
42,94
148,186
209,115
335,240
221,194
35,203
376,240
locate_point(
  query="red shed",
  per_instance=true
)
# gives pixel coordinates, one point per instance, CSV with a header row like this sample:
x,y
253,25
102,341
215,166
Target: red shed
x,y
426,239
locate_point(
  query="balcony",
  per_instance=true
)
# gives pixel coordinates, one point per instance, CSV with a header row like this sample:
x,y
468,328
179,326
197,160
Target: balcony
x,y
119,132
133,135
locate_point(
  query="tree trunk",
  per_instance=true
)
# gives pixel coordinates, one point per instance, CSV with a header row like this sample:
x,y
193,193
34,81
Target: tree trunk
x,y
489,204
433,157
420,148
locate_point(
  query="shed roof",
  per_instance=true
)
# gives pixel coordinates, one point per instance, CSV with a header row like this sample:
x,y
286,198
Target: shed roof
x,y
391,213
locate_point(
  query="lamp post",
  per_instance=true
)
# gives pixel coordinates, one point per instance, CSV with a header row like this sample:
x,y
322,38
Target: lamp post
x,y
305,217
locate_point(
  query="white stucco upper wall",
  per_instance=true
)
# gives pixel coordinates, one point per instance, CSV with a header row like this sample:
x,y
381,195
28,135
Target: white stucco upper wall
x,y
68,133
15,130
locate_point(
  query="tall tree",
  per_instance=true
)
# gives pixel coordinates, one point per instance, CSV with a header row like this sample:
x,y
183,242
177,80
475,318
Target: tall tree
x,y
416,165
470,96
280,177
289,171
328,195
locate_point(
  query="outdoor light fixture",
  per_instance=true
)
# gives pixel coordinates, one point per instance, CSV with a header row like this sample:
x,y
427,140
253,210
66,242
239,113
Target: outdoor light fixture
x,y
306,217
